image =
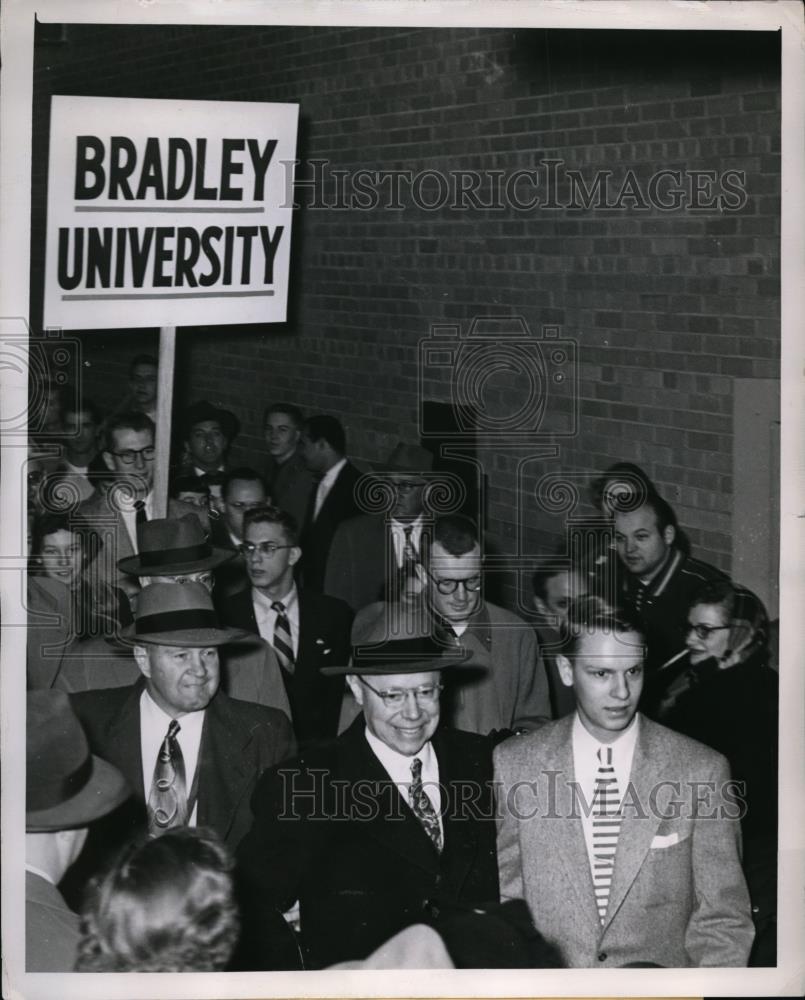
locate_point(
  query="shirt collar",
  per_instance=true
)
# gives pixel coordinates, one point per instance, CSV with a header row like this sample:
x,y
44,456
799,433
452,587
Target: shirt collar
x,y
289,600
398,765
152,714
587,744
331,474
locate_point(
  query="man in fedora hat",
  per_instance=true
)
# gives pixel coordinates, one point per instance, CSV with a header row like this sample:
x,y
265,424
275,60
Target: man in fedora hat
x,y
372,556
208,432
191,753
67,789
176,550
390,824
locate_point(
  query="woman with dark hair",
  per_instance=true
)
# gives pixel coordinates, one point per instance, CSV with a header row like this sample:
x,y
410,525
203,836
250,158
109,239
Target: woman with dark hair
x,y
167,905
60,550
720,690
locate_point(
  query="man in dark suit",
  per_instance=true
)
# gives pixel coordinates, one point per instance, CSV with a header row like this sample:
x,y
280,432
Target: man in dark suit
x,y
323,447
307,630
176,719
388,825
243,489
289,479
372,556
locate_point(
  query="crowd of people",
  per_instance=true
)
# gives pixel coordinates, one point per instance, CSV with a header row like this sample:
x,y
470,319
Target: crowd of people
x,y
284,728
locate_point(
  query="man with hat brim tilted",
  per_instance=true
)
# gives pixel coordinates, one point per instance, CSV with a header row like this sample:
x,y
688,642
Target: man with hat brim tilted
x,y
390,824
191,753
67,789
177,551
372,556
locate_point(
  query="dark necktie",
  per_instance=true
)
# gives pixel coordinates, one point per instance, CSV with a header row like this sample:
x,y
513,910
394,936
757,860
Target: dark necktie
x,y
167,801
409,552
283,645
606,828
421,805
140,516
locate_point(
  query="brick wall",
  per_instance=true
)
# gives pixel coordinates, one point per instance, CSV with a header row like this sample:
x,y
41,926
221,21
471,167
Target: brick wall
x,y
667,306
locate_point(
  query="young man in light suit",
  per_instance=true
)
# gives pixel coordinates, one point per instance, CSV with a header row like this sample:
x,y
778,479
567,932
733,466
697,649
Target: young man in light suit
x,y
621,835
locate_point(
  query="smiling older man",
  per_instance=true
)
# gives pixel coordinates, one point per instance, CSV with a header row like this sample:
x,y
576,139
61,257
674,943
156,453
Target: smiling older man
x,y
390,824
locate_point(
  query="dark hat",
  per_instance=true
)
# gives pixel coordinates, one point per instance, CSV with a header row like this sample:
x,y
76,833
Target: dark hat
x,y
406,458
170,545
416,655
65,785
178,614
204,410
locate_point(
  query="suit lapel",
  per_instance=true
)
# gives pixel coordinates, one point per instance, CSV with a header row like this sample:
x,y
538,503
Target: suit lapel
x,y
222,773
125,748
640,823
400,832
460,836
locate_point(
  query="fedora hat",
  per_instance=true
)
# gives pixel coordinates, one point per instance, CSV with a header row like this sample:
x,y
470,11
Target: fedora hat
x,y
178,614
406,458
171,545
65,785
199,412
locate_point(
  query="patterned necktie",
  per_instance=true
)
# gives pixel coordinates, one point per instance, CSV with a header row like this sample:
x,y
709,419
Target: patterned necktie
x,y
140,516
409,552
283,645
422,806
167,801
606,828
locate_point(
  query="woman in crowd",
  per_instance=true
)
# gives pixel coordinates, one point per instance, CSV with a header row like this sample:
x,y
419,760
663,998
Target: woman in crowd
x,y
719,689
167,905
60,552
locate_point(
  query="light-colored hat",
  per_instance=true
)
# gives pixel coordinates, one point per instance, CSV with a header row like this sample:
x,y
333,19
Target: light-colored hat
x,y
178,614
173,545
407,458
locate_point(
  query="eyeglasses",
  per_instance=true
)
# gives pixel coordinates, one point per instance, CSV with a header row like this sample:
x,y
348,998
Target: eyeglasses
x,y
428,694
205,579
264,548
129,456
471,583
407,484
704,631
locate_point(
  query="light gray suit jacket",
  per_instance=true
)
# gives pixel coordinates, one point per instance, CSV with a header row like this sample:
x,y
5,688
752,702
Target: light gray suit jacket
x,y
678,896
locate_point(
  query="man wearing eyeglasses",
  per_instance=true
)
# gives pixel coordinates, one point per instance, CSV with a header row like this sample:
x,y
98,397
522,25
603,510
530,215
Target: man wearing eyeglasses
x,y
307,630
389,825
513,694
127,501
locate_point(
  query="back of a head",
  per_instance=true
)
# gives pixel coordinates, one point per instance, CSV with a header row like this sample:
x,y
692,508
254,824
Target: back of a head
x,y
327,428
167,905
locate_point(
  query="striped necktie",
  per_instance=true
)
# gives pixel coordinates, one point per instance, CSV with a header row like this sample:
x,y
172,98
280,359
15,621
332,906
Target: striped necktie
x,y
422,806
283,644
606,828
167,800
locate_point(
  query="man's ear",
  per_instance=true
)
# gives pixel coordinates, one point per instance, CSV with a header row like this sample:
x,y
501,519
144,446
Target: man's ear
x,y
294,555
356,688
669,534
109,460
141,656
565,670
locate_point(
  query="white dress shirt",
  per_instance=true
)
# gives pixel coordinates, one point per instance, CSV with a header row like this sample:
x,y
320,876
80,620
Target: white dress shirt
x,y
326,484
585,768
398,536
398,767
267,617
153,729
129,515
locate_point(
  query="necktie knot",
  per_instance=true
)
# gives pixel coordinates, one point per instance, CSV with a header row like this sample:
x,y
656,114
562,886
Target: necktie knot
x,y
416,769
173,729
278,606
604,755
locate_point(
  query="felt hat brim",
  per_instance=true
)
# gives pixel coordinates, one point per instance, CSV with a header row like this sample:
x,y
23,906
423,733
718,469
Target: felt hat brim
x,y
134,564
105,790
191,637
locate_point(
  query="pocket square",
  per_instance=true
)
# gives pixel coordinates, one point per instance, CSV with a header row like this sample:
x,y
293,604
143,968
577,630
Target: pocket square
x,y
665,841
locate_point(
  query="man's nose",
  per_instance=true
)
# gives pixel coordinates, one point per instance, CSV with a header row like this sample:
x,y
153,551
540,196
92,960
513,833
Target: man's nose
x,y
620,686
197,664
411,709
139,460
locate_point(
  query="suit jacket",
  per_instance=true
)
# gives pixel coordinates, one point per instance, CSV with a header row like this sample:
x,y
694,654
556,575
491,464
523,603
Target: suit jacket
x,y
239,741
289,485
678,897
333,831
317,535
361,561
102,516
49,633
52,930
324,631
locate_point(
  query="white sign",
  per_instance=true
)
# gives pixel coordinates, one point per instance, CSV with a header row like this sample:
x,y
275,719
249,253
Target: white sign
x,y
168,213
